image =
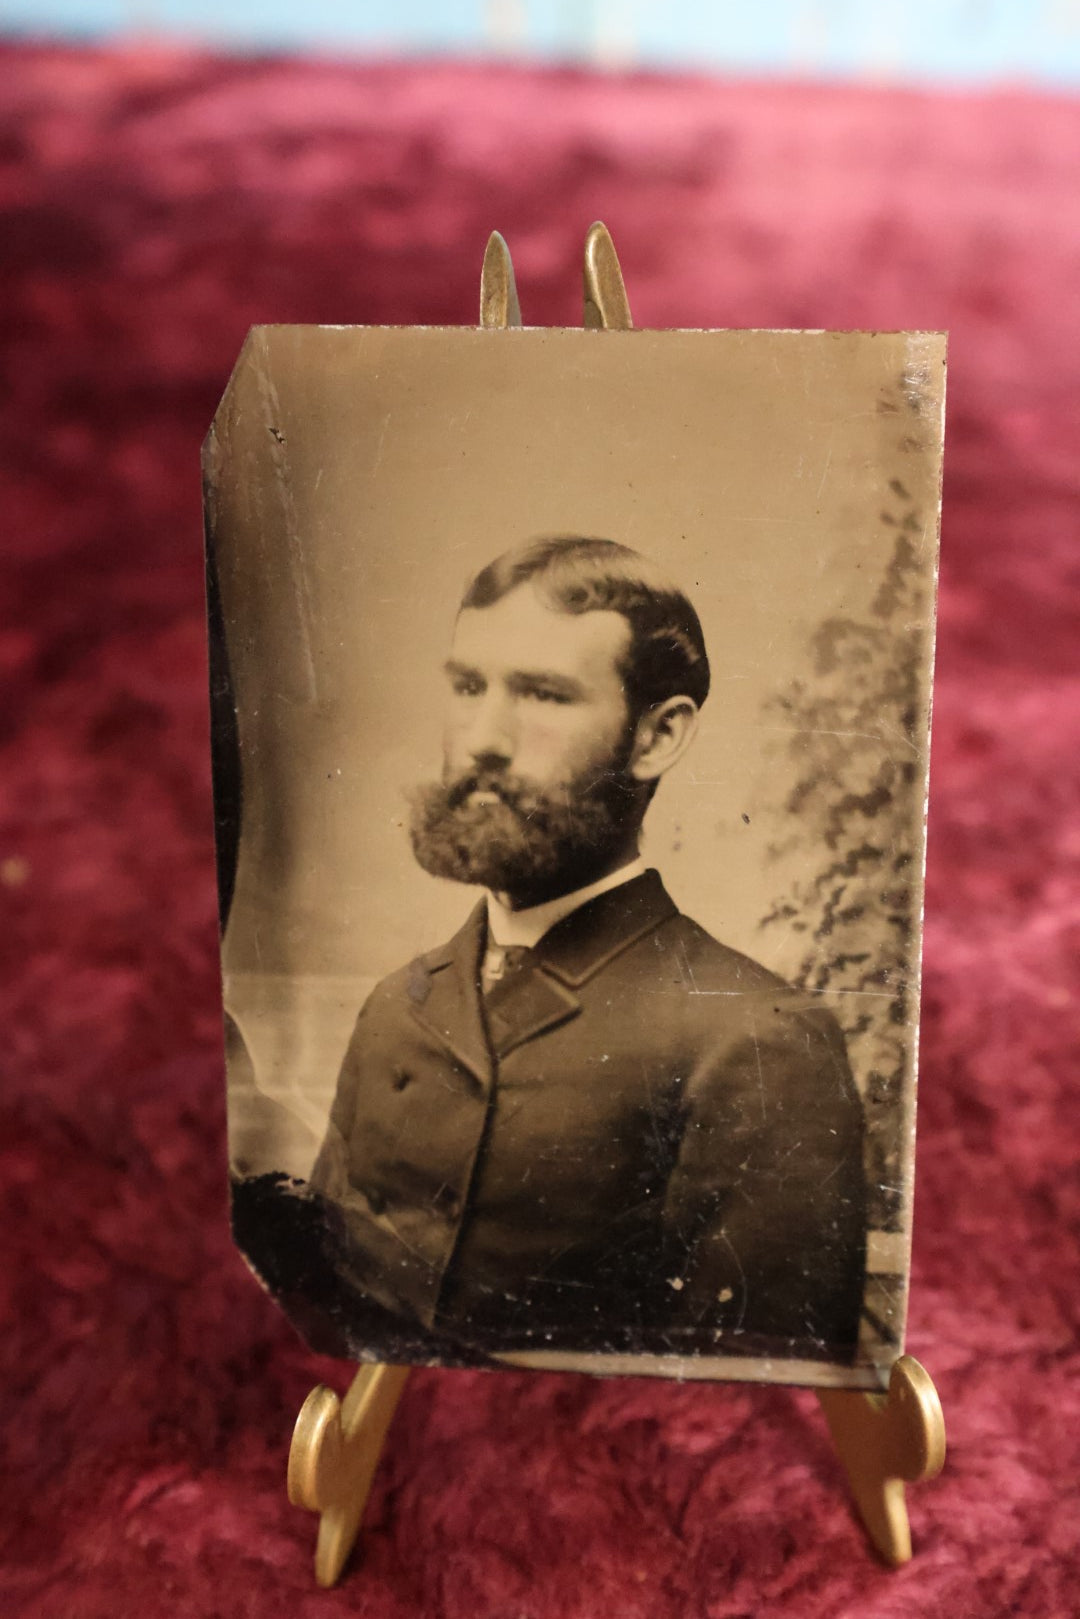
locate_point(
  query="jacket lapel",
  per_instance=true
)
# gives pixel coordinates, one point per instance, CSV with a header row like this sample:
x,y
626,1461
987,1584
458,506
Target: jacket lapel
x,y
540,997
529,1004
445,992
445,996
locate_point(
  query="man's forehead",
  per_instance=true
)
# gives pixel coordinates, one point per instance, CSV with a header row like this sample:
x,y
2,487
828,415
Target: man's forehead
x,y
521,631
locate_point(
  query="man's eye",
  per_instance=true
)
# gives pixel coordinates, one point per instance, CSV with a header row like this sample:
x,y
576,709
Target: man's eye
x,y
467,686
546,694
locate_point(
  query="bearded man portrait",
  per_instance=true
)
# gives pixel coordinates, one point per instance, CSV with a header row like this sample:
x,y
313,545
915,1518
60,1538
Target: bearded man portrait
x,y
584,1125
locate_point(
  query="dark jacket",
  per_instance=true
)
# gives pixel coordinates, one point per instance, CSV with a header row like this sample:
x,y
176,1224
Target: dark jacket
x,y
644,1142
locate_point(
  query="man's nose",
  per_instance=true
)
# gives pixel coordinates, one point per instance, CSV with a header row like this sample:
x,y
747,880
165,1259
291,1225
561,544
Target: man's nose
x,y
490,735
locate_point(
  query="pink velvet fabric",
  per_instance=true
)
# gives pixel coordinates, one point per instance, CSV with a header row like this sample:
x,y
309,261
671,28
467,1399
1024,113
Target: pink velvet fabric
x,y
153,206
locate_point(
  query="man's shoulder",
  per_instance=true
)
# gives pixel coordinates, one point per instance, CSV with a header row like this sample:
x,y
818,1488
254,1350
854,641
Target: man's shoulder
x,y
725,1001
410,985
407,985
709,984
712,965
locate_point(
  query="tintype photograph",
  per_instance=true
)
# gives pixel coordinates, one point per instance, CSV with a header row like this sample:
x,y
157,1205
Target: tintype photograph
x,y
570,698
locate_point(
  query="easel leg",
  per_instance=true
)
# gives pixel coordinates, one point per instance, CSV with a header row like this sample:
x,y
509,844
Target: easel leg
x,y
884,1440
335,1450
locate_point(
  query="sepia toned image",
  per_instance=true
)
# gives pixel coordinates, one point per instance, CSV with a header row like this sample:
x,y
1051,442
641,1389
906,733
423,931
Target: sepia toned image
x,y
571,698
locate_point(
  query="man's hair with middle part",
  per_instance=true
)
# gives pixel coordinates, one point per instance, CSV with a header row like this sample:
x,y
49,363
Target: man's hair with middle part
x,y
575,574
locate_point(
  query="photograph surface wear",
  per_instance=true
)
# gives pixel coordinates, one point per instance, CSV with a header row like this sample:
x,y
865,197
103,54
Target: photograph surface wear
x,y
570,697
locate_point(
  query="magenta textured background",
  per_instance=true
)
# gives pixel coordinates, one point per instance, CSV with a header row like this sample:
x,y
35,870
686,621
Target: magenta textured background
x,y
153,206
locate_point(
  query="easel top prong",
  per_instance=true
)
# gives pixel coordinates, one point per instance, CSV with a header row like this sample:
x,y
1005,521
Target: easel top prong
x,y
499,306
607,308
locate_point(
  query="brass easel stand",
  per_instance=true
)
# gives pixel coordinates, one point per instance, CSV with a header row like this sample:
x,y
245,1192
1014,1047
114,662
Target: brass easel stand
x,y
335,1450
883,1440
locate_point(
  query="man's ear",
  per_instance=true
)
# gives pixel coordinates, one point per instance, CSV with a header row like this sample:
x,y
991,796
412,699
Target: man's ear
x,y
662,736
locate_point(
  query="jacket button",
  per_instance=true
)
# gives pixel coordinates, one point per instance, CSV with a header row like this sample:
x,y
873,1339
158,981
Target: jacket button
x,y
401,1079
447,1202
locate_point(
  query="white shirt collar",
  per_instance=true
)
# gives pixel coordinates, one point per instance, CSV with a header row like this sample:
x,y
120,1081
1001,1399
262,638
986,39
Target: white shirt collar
x,y
506,927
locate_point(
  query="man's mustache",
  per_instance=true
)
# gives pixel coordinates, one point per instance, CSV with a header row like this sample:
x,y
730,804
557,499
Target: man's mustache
x,y
515,792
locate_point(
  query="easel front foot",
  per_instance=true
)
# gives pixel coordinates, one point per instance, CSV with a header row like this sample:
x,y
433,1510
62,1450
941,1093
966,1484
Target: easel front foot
x,y
885,1440
335,1450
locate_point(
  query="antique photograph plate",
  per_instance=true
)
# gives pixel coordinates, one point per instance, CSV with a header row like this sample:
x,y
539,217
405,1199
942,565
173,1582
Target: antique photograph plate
x,y
570,697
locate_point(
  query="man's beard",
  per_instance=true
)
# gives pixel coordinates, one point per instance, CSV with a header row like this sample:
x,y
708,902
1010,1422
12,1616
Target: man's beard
x,y
530,844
